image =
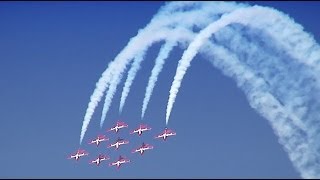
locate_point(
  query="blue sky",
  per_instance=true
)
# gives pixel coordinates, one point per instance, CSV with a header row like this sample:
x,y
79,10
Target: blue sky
x,y
53,53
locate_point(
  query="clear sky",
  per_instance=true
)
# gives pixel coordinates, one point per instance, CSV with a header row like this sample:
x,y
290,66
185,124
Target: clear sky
x,y
53,53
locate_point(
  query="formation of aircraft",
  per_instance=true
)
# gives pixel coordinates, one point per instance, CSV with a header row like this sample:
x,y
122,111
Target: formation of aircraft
x,y
120,161
118,143
141,128
166,133
99,159
98,140
119,125
78,154
142,148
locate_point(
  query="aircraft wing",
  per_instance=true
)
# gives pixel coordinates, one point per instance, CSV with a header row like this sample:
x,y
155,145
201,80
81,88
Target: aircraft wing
x,y
143,126
111,129
159,136
133,131
112,164
81,151
135,150
169,131
122,141
121,123
149,146
110,145
104,157
92,161
172,134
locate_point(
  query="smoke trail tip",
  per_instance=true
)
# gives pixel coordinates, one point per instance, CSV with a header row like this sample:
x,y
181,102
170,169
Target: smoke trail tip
x,y
101,124
120,111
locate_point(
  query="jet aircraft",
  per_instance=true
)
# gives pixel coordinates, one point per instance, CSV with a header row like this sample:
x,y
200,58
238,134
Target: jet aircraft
x,y
141,128
78,154
142,148
118,143
120,161
98,140
99,159
119,125
166,133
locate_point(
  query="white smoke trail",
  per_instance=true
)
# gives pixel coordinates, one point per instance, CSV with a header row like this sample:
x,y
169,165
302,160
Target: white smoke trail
x,y
135,45
265,103
170,15
288,36
257,91
131,75
273,67
198,18
109,95
171,34
95,98
113,87
118,71
188,55
159,62
163,18
289,128
292,82
247,16
128,53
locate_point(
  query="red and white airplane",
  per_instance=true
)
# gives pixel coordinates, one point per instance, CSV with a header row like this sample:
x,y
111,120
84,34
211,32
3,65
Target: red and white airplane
x,y
78,154
166,133
118,143
141,128
118,126
142,148
120,161
98,140
99,159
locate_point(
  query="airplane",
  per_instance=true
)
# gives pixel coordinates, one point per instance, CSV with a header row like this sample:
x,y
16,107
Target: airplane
x,y
120,161
99,159
118,126
141,129
166,133
78,154
99,139
118,143
142,148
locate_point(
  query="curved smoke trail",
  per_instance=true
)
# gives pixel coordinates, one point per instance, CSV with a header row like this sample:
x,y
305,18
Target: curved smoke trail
x,y
158,21
127,53
291,130
258,93
119,70
131,75
284,98
169,15
275,25
159,62
113,86
173,34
